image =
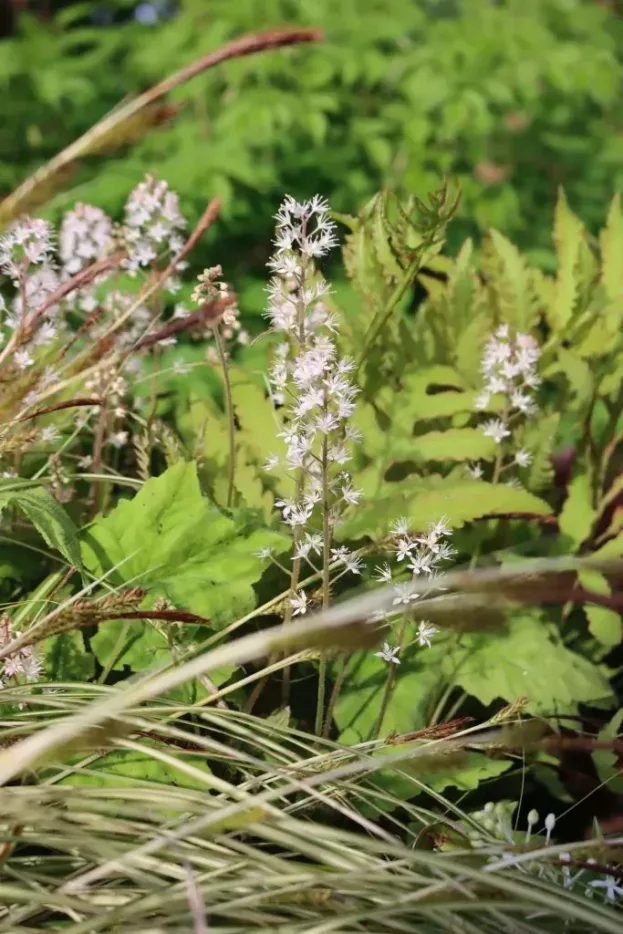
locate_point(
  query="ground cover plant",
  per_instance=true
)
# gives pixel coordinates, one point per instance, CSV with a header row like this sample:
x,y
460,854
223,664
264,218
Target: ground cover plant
x,y
316,628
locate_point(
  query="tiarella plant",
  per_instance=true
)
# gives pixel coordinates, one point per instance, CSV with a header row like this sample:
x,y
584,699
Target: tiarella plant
x,y
311,386
448,416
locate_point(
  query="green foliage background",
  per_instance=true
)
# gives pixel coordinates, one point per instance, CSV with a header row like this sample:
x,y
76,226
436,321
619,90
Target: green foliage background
x,y
512,98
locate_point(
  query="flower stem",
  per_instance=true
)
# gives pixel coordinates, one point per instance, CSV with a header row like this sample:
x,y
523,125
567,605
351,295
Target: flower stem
x,y
294,580
326,561
229,412
335,693
499,459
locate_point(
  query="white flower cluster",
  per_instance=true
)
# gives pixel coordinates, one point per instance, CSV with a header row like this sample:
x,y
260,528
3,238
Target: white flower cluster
x,y
85,237
422,555
509,367
312,385
23,663
27,257
152,223
29,242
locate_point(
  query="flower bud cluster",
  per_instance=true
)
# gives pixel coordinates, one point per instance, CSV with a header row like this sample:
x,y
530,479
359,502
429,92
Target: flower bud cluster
x,y
210,289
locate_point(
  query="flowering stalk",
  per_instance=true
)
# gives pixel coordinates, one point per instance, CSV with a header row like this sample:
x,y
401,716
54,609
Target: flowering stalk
x,y
310,385
509,367
213,293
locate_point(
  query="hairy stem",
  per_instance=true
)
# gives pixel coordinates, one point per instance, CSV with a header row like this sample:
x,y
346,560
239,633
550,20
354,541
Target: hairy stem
x,y
98,454
294,581
326,560
229,412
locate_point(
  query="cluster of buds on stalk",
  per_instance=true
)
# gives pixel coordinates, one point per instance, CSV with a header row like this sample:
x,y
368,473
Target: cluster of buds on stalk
x,y
210,288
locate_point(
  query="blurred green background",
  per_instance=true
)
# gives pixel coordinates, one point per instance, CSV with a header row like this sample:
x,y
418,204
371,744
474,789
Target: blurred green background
x,y
512,97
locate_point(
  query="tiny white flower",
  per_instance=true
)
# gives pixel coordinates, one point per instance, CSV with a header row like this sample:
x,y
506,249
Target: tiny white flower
x,y
23,359
286,506
441,527
444,552
523,402
425,633
404,594
422,563
353,563
613,891
118,438
400,527
475,471
353,434
340,554
13,666
523,458
271,462
351,496
264,553
302,549
314,540
32,668
299,603
384,574
49,434
496,429
403,549
388,654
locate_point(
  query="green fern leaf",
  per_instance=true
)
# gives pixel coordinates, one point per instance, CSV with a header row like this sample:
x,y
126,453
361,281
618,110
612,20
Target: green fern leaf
x,y
611,242
568,235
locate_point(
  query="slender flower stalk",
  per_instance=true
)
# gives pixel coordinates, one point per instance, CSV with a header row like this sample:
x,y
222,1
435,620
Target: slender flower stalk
x,y
310,385
420,556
